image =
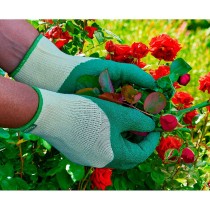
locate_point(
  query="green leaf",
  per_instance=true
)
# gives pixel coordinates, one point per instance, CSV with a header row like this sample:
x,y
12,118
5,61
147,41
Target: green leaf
x,y
22,185
9,184
167,87
28,136
135,176
105,82
64,180
145,167
120,183
99,36
30,169
9,169
155,103
165,83
158,177
4,134
95,55
178,68
183,181
45,144
87,81
191,182
113,35
77,172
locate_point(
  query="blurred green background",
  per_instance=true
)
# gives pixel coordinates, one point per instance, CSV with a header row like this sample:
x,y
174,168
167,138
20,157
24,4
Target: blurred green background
x,y
193,35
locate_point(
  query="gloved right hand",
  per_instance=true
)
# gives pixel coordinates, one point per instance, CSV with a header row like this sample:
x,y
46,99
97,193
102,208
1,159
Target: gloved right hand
x,y
88,130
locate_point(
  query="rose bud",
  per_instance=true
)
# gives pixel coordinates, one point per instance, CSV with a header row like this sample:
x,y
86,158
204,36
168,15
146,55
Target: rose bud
x,y
184,79
188,155
168,122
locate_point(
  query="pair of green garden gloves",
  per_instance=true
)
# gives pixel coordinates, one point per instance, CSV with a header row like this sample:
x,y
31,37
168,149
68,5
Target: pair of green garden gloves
x,y
85,129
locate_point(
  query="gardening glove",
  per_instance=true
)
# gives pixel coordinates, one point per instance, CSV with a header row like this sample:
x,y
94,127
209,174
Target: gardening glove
x,y
88,130
47,67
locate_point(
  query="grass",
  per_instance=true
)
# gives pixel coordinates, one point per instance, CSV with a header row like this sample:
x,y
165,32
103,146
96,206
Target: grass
x,y
194,44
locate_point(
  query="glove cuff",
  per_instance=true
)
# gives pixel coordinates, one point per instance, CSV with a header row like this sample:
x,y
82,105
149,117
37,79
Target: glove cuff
x,y
45,66
30,125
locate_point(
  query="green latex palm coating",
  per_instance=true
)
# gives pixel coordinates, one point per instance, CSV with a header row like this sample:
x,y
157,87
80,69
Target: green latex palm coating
x,y
126,153
118,72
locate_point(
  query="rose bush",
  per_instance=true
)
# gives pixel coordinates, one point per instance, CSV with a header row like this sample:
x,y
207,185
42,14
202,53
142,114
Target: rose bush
x,y
180,161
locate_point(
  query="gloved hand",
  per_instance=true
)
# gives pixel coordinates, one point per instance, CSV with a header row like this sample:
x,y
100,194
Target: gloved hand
x,y
87,130
45,66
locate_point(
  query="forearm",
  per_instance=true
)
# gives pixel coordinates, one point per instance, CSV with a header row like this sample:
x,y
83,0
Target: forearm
x,y
18,103
16,36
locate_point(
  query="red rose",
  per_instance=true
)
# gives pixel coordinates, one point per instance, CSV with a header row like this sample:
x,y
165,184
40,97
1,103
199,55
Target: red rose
x,y
184,79
48,21
101,178
139,63
168,122
55,32
182,100
61,42
119,58
176,85
110,46
121,49
90,30
208,108
169,142
66,35
188,155
108,57
160,72
205,83
139,50
164,47
188,118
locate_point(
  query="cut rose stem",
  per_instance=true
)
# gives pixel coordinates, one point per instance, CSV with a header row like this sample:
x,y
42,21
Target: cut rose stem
x,y
201,105
130,105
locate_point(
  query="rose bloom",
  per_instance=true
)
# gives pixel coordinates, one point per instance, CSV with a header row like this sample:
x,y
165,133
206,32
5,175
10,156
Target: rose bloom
x,y
208,108
184,79
169,142
176,85
139,63
188,155
188,118
122,49
160,72
101,178
164,47
182,100
168,122
139,50
205,83
48,21
108,57
90,30
54,33
110,46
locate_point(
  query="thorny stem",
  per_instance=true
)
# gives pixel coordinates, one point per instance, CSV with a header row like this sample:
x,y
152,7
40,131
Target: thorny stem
x,y
85,179
201,137
201,105
94,47
130,105
81,49
21,157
